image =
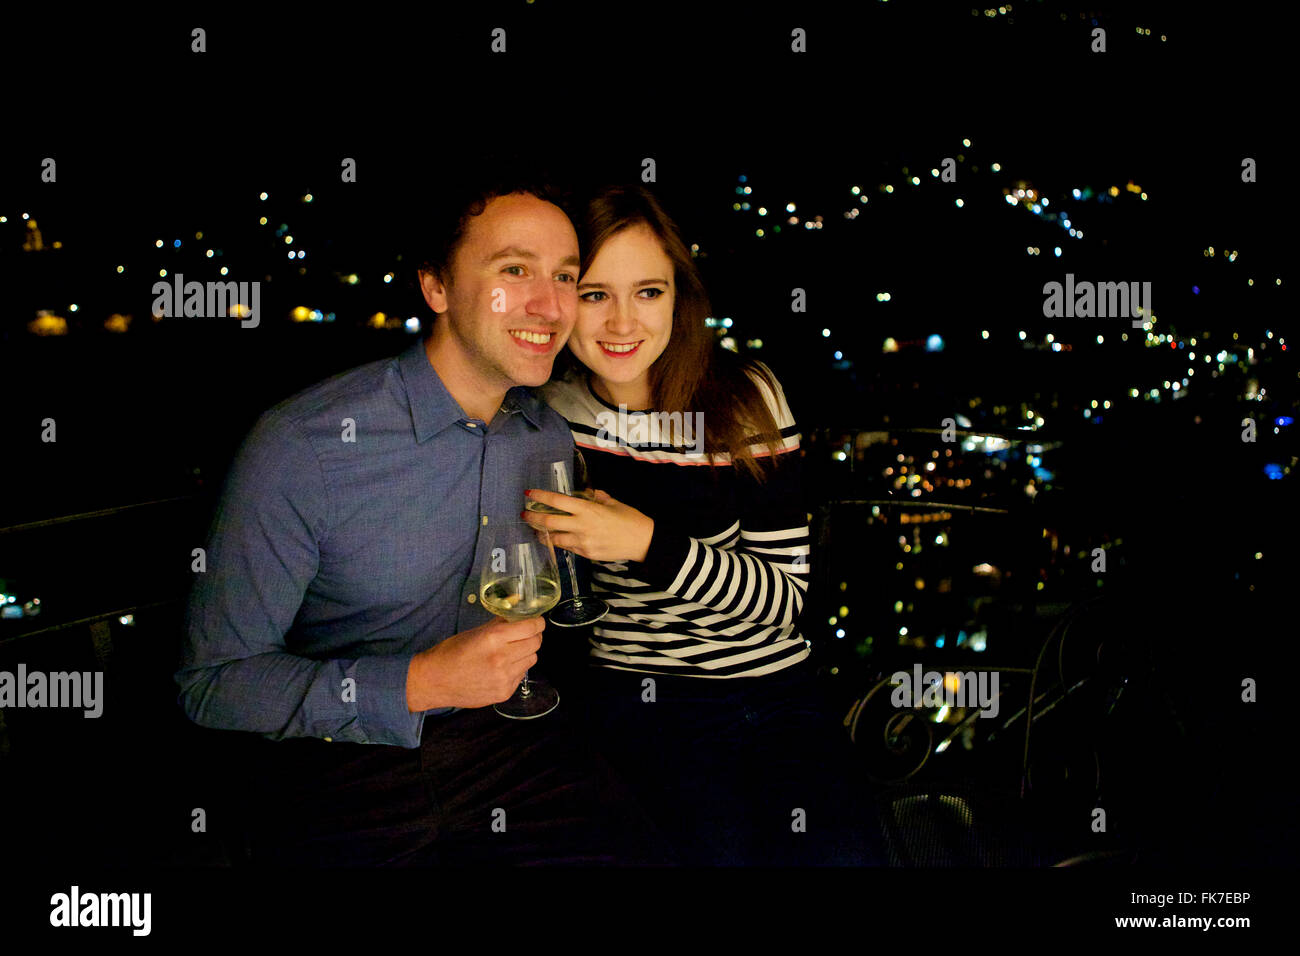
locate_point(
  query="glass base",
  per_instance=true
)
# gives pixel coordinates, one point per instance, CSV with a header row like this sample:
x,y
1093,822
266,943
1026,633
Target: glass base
x,y
542,699
578,611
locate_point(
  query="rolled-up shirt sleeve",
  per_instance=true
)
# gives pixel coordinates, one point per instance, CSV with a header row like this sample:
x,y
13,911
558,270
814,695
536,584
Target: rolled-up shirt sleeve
x,y
263,551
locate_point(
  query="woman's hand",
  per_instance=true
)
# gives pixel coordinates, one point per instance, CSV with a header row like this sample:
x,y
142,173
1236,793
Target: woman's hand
x,y
599,530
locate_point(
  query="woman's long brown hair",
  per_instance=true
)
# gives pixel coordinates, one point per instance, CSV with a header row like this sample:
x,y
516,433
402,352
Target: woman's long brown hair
x,y
692,374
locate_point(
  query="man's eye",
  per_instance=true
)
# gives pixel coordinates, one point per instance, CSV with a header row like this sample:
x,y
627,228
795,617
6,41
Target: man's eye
x,y
568,277
508,268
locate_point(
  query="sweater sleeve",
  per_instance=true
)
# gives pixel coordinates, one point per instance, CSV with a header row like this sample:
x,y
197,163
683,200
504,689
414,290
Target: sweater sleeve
x,y
756,570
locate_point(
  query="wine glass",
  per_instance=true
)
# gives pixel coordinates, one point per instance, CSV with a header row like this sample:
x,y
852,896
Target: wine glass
x,y
519,579
548,475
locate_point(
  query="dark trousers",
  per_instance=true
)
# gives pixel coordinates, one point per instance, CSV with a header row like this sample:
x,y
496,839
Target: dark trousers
x,y
480,790
739,771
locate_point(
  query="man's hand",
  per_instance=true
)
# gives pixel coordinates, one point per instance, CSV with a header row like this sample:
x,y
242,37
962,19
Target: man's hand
x,y
474,668
601,530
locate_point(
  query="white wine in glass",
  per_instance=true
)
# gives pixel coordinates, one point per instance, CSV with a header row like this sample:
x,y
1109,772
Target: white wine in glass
x,y
505,598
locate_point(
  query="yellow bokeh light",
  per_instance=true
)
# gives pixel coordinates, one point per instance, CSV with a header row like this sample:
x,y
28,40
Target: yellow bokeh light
x,y
47,323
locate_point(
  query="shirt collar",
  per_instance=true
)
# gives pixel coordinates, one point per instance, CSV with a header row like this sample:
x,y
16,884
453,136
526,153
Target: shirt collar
x,y
526,400
432,406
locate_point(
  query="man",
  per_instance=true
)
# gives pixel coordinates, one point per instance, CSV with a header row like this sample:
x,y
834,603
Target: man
x,y
339,599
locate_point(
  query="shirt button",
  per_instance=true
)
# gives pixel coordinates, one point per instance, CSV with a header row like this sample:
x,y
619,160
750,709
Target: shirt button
x,y
470,425
329,740
471,598
485,519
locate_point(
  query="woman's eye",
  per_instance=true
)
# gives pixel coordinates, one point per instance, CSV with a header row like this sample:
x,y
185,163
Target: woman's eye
x,y
589,296
657,292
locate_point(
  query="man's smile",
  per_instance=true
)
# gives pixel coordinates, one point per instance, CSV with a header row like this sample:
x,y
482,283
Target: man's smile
x,y
532,340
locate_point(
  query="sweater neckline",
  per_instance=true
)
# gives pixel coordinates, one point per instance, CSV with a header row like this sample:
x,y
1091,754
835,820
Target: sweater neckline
x,y
631,411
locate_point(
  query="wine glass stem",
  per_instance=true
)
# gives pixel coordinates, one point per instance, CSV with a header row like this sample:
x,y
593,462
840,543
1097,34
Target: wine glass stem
x,y
523,686
571,569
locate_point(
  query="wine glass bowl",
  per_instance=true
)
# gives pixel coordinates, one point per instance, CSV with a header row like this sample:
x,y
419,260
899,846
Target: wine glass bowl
x,y
519,579
571,479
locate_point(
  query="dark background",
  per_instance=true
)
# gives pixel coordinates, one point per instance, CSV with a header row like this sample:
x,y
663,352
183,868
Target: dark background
x,y
153,141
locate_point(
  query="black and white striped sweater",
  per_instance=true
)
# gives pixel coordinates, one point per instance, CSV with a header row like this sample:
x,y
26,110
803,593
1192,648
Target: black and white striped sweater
x,y
724,580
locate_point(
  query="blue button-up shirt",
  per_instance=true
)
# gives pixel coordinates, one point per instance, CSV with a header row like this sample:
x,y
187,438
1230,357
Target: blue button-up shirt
x,y
347,539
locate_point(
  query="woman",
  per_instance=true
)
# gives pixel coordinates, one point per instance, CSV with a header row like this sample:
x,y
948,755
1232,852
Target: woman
x,y
699,544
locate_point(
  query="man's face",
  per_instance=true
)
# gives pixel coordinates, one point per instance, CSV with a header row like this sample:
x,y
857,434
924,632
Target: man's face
x,y
512,297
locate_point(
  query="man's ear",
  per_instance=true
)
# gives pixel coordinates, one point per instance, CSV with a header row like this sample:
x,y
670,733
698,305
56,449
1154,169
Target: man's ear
x,y
435,293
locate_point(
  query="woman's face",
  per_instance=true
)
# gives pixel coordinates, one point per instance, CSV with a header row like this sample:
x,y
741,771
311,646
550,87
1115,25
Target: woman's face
x,y
625,314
